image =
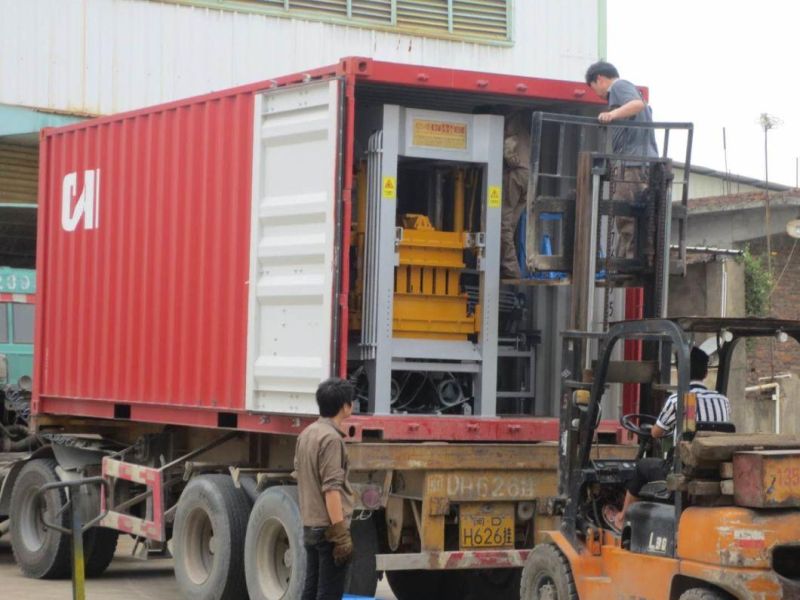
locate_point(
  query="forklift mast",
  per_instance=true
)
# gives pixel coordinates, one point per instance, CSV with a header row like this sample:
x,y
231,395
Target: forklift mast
x,y
573,204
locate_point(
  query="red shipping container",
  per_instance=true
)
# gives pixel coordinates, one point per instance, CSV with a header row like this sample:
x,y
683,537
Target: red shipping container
x,y
189,259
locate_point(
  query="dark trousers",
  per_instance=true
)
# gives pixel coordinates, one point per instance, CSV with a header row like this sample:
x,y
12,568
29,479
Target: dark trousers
x,y
324,580
647,470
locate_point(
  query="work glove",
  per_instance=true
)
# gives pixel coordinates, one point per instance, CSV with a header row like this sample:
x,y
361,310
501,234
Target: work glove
x,y
338,534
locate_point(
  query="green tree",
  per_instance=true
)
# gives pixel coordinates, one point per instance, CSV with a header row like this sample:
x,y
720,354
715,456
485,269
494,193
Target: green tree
x,y
757,285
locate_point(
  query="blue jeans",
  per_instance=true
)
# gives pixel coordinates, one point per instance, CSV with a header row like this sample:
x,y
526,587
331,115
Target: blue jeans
x,y
324,580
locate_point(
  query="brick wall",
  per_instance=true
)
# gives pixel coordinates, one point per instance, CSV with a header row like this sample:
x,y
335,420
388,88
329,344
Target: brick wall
x,y
766,357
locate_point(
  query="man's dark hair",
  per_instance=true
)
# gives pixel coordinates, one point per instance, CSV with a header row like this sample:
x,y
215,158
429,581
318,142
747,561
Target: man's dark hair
x,y
698,364
601,68
333,394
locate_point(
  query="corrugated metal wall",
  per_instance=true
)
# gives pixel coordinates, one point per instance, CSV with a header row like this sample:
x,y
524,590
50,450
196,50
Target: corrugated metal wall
x,y
143,299
104,56
19,168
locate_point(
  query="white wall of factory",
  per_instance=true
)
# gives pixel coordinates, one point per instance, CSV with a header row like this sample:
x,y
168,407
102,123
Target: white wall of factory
x,y
105,56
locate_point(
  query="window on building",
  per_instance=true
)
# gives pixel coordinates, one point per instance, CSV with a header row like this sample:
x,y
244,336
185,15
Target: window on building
x,y
479,20
23,323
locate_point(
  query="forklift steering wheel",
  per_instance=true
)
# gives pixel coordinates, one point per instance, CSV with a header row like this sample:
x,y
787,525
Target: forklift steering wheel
x,y
643,426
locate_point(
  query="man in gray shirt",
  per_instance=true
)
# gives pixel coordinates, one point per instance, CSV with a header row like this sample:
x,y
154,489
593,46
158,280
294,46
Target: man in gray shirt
x,y
625,103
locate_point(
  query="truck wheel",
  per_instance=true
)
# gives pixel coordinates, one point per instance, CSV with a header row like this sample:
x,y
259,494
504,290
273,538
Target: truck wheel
x,y
208,537
547,576
275,559
362,576
703,594
100,543
40,553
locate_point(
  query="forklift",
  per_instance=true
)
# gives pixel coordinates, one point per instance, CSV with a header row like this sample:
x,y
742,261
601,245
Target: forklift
x,y
726,521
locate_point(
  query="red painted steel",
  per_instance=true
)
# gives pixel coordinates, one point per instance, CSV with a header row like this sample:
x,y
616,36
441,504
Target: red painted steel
x,y
149,309
149,306
634,309
151,478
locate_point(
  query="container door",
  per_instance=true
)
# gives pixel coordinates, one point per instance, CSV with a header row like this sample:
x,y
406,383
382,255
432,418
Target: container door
x,y
296,192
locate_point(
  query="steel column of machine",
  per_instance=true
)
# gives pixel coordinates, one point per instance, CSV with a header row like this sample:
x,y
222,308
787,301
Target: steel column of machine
x,y
486,399
385,207
368,300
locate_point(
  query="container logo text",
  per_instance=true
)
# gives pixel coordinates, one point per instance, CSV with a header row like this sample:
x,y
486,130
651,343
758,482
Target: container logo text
x,y
87,206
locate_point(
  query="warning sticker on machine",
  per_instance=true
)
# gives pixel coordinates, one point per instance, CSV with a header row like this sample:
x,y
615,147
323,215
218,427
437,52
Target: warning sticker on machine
x,y
389,188
495,196
748,538
439,134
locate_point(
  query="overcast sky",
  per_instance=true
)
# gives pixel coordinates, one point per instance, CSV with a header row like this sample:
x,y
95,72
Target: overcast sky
x,y
717,63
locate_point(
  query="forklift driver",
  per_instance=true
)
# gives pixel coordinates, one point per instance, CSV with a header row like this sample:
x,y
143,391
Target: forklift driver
x,y
711,406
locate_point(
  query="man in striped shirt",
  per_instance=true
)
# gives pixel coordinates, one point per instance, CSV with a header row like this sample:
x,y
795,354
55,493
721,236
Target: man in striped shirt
x,y
711,406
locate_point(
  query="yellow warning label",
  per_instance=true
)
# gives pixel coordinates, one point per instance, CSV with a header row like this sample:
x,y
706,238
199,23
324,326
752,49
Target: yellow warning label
x,y
495,196
439,134
389,188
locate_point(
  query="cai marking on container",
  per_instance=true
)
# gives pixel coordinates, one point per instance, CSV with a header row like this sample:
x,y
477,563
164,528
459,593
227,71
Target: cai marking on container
x,y
87,206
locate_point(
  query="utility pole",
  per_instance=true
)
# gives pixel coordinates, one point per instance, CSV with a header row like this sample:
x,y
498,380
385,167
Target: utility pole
x,y
768,122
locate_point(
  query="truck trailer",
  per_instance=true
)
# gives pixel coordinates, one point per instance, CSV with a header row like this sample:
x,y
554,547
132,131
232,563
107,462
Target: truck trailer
x,y
203,264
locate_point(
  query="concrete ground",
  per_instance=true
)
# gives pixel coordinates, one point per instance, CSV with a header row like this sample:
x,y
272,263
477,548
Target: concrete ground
x,y
127,577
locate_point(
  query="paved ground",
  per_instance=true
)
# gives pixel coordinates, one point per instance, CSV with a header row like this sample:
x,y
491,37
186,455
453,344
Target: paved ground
x,y
127,578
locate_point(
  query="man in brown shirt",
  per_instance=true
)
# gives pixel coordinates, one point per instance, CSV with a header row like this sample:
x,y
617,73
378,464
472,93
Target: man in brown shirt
x,y
516,172
326,498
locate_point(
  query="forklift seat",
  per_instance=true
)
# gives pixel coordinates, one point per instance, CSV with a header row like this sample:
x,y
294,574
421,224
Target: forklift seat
x,y
720,426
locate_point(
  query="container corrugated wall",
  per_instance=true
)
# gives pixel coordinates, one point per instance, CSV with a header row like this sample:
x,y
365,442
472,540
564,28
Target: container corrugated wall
x,y
159,201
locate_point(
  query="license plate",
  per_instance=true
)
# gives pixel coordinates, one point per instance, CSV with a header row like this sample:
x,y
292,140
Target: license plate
x,y
486,525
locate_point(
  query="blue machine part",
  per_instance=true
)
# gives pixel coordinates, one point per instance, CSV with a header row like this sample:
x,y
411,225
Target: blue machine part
x,y
546,248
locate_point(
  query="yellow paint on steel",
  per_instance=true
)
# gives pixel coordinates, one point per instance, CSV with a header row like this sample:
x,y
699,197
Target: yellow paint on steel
x,y
451,456
432,518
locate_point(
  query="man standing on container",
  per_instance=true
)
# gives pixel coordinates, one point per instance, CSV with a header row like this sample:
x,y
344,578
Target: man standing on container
x,y
326,498
625,103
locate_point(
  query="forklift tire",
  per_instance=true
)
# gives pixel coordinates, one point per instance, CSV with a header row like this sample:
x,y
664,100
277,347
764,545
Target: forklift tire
x,y
208,539
547,576
40,553
703,594
362,575
100,544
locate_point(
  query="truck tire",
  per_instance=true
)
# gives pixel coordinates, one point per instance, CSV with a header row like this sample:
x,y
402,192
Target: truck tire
x,y
275,559
208,539
703,594
40,553
99,543
547,576
362,576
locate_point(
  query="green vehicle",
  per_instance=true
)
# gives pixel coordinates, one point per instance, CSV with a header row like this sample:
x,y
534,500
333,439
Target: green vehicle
x,y
17,296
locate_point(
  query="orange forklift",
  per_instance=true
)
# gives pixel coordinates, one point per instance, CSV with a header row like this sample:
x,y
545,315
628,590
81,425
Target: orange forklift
x,y
725,523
